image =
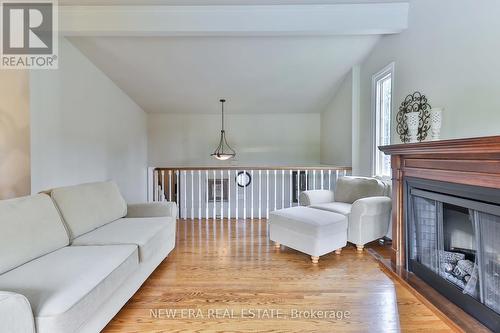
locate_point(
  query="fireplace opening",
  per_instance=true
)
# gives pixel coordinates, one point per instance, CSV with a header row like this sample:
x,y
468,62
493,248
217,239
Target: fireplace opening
x,y
454,245
457,260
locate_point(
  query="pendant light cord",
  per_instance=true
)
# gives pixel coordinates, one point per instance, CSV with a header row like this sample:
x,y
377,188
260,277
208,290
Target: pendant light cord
x,y
222,101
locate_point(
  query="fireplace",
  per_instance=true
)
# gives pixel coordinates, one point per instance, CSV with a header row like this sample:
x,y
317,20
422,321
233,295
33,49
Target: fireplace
x,y
453,237
446,227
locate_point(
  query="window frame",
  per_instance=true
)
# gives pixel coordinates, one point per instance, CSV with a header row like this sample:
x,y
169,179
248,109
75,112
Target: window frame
x,y
376,78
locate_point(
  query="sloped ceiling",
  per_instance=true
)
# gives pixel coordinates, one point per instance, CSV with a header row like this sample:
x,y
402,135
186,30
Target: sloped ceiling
x,y
263,59
214,2
255,74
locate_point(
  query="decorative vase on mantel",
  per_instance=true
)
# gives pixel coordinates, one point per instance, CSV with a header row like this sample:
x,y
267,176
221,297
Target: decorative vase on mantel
x,y
413,121
436,121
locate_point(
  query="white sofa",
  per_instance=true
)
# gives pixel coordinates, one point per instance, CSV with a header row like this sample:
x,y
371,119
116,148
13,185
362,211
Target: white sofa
x,y
365,201
72,257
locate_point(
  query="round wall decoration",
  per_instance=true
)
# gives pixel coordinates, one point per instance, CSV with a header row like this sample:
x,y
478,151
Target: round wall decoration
x,y
415,102
243,179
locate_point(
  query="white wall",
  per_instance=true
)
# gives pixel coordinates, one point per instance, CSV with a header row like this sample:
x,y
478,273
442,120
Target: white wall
x,y
259,139
14,134
451,53
336,127
84,128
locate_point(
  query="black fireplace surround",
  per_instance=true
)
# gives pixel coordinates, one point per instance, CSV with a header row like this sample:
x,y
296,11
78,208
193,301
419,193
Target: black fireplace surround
x,y
453,238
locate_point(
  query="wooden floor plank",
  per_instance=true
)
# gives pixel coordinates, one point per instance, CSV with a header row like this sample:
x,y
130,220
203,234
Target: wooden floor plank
x,y
231,267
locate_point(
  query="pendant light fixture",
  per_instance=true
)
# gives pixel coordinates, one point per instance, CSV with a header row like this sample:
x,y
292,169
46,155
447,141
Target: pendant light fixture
x,y
223,151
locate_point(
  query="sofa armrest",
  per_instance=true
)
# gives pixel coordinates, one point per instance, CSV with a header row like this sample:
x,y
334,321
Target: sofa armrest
x,y
15,313
369,219
152,209
314,197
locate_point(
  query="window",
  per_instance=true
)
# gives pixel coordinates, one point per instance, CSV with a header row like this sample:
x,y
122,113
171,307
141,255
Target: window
x,y
382,84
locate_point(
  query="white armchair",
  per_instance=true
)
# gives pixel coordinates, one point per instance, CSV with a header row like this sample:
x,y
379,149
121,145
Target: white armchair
x,y
365,202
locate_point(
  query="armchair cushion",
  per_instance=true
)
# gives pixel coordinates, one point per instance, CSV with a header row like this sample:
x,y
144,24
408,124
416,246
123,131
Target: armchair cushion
x,y
314,197
152,209
349,189
336,207
15,313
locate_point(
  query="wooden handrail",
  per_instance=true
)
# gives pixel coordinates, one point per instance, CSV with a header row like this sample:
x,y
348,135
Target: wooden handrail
x,y
293,168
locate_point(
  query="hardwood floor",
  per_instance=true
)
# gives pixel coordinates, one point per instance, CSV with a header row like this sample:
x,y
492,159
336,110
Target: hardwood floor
x,y
227,277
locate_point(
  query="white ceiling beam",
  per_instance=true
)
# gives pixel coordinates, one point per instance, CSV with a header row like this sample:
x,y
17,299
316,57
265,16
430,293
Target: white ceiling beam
x,y
265,20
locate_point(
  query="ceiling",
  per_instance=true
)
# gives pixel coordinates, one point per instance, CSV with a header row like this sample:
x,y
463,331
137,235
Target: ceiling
x,y
213,2
262,59
255,74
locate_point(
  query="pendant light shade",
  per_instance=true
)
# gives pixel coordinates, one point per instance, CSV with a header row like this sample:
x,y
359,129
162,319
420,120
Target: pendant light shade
x,y
223,151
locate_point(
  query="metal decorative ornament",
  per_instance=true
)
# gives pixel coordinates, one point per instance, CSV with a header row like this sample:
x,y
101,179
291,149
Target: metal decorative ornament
x,y
415,102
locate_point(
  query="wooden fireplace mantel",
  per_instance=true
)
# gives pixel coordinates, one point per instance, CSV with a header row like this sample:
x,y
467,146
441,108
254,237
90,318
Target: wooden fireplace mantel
x,y
472,161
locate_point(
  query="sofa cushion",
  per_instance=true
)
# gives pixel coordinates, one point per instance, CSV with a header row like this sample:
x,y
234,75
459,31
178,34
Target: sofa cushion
x,y
308,221
86,207
67,286
29,228
147,233
336,207
349,189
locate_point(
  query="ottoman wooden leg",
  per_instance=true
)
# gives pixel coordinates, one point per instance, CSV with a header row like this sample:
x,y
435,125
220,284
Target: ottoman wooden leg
x,y
277,245
338,251
314,259
359,247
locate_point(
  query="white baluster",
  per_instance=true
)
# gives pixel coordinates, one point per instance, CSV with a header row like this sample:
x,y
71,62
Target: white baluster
x,y
199,195
155,185
169,185
185,195
215,196
329,179
275,188
244,199
291,188
192,195
236,202
206,190
229,198
260,194
314,179
221,194
322,179
282,189
251,193
267,194
178,190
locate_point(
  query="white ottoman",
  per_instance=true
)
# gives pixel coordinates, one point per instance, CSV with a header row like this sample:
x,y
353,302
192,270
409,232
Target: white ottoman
x,y
312,231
